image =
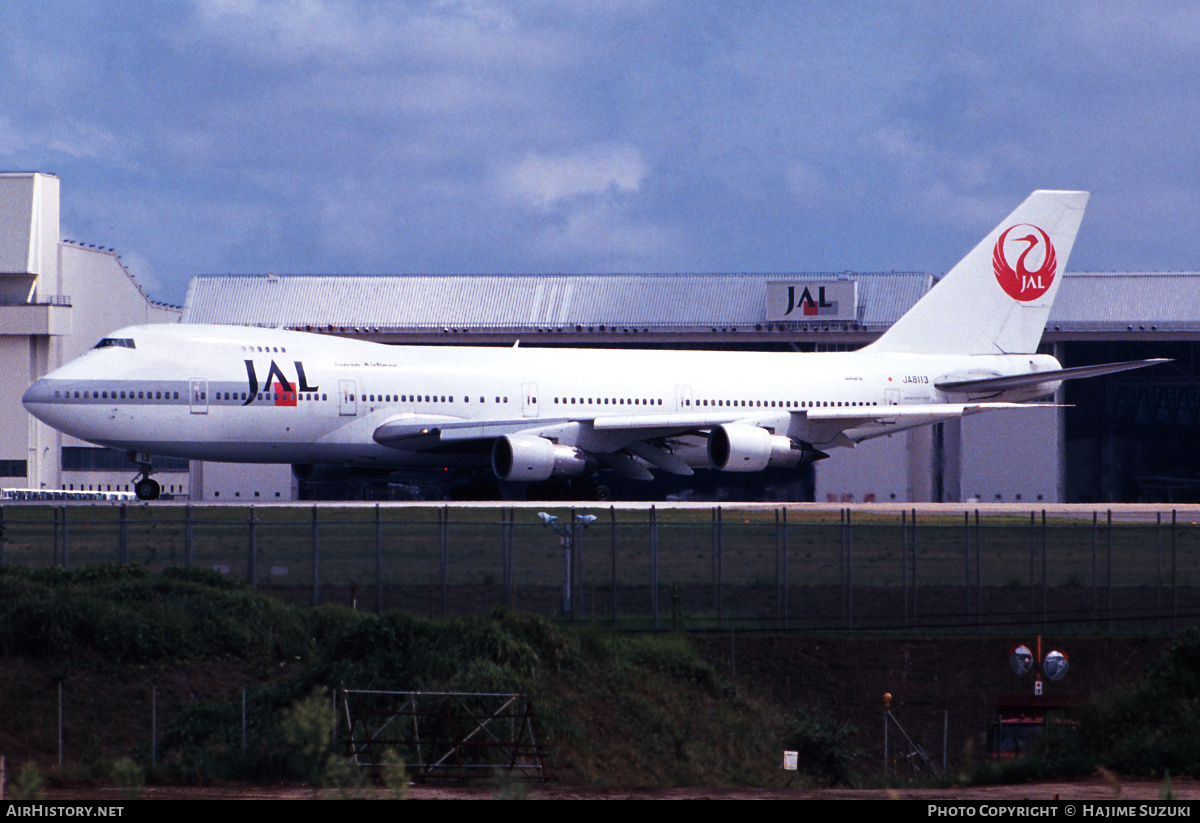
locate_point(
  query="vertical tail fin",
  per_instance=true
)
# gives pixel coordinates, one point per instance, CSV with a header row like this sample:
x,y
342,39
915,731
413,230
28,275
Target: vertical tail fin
x,y
996,300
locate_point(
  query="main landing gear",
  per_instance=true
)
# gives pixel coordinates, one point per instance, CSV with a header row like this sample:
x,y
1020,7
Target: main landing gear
x,y
145,488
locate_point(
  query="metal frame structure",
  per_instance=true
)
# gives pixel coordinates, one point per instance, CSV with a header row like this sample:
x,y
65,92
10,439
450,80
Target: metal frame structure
x,y
442,735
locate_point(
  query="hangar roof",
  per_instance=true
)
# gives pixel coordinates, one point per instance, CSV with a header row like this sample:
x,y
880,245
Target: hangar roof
x,y
1127,302
651,301
704,305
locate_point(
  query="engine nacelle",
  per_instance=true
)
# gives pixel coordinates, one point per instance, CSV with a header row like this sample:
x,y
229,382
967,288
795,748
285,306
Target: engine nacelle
x,y
529,459
736,447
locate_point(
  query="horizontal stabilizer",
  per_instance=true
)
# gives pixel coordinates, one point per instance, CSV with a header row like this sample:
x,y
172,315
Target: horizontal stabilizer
x,y
1017,381
891,414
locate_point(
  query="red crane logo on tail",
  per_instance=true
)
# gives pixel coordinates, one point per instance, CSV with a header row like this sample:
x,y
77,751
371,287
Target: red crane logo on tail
x,y
1019,281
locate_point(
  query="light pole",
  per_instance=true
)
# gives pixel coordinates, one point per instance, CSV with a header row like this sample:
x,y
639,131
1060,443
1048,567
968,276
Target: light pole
x,y
567,533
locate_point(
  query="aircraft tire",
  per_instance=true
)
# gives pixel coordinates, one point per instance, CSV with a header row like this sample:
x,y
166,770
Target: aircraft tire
x,y
147,489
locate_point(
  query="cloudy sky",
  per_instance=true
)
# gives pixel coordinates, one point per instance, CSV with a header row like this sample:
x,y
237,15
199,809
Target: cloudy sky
x,y
547,136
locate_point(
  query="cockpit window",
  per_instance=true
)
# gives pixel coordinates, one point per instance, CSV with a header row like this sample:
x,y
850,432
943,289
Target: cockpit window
x,y
124,342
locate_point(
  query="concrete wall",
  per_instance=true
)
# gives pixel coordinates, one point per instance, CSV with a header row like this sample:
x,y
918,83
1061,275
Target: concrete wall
x,y
248,482
1013,456
876,470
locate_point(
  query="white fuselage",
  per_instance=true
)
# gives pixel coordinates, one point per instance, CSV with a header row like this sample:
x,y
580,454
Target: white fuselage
x,y
239,394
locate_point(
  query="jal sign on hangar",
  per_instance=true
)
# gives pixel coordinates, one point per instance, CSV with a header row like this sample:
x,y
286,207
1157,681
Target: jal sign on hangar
x,y
812,300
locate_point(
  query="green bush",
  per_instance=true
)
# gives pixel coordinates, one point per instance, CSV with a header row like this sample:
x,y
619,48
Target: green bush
x,y
822,747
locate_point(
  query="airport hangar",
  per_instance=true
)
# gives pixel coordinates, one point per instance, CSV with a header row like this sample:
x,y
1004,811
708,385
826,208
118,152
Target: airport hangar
x,y
1128,437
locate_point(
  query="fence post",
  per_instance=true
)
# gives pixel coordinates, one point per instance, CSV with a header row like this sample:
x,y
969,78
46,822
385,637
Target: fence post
x,y
849,569
779,598
577,561
1158,567
570,572
1032,563
1043,571
1095,571
1,544
978,577
316,558
1174,591
967,562
123,536
612,518
717,564
505,552
1108,572
914,566
904,562
511,594
785,568
252,555
654,564
444,549
842,564
378,560
66,553
188,545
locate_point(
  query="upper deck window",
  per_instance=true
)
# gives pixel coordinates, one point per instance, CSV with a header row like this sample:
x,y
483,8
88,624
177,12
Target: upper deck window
x,y
124,342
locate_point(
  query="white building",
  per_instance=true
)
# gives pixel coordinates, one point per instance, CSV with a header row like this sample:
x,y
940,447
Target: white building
x,y
57,299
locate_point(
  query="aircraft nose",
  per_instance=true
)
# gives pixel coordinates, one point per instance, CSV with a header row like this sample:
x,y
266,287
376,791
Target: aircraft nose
x,y
39,401
36,397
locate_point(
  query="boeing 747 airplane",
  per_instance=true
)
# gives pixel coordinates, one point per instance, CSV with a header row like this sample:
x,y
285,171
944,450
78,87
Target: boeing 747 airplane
x,y
526,415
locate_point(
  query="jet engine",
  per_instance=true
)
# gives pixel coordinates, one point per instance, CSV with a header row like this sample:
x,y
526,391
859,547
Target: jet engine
x,y
737,447
529,459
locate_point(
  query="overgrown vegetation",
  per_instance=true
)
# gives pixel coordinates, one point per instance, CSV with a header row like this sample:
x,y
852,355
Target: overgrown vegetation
x,y
133,616
822,747
612,709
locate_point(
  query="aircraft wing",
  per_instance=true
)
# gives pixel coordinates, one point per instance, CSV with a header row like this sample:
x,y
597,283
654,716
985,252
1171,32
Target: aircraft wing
x,y
843,426
644,435
424,432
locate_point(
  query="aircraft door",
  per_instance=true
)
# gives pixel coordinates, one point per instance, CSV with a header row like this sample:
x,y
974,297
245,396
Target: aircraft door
x,y
891,397
348,404
199,399
529,399
683,398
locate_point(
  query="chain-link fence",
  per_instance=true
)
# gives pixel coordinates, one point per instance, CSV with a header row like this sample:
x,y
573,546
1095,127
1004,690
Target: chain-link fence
x,y
786,568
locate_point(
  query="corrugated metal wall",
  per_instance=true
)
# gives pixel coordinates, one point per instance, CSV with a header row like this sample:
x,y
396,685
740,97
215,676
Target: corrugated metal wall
x,y
654,301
